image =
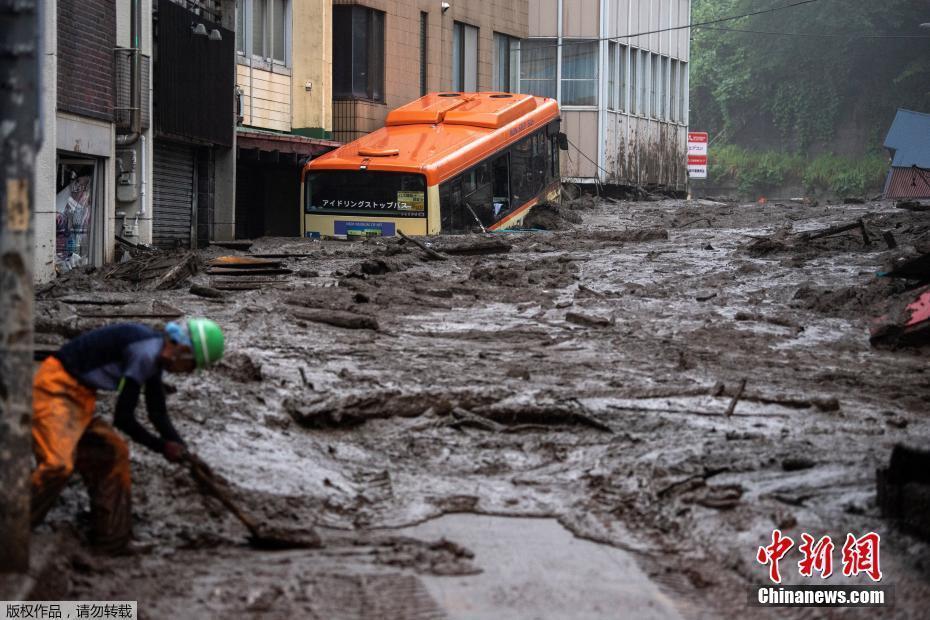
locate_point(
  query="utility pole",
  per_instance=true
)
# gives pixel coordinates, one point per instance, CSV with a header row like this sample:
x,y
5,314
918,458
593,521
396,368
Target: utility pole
x,y
19,85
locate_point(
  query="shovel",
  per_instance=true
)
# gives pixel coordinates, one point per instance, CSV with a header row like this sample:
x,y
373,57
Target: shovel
x,y
271,539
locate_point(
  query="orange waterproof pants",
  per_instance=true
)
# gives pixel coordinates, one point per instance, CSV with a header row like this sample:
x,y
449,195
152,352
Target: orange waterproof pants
x,y
66,436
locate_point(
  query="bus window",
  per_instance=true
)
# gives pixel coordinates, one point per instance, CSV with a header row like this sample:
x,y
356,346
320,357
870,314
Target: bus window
x,y
500,184
357,192
527,177
479,211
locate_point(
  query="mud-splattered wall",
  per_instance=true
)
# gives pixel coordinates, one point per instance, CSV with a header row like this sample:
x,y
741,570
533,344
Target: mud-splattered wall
x,y
633,130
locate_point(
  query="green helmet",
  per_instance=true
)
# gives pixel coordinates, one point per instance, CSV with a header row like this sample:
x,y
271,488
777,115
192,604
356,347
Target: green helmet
x,y
207,339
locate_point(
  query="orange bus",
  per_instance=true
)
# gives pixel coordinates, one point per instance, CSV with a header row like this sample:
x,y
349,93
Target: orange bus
x,y
445,163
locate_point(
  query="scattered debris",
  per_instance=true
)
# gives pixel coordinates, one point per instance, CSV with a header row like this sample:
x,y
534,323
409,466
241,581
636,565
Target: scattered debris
x,y
736,397
904,490
338,318
206,291
430,252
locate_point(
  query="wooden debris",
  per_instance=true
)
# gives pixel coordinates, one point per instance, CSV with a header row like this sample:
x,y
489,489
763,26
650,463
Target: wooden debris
x,y
481,247
587,320
836,230
185,268
430,252
338,318
736,397
206,291
890,240
234,271
243,262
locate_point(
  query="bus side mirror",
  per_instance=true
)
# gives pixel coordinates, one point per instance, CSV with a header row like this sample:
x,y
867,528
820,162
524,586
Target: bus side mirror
x,y
563,141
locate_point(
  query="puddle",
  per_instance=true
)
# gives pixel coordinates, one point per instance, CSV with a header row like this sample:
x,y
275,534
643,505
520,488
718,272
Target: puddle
x,y
535,568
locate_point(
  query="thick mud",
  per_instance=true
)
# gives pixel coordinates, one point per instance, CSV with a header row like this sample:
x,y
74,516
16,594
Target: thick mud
x,y
583,374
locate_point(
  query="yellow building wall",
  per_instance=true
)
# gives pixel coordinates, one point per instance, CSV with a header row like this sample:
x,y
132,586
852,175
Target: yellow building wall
x,y
266,98
312,67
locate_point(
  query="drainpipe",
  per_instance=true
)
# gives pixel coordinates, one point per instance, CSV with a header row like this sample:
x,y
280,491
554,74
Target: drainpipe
x,y
135,78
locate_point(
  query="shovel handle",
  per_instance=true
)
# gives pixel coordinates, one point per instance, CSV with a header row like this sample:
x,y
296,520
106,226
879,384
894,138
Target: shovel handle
x,y
204,476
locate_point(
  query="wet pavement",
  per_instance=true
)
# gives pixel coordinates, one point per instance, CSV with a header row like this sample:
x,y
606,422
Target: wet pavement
x,y
535,568
584,377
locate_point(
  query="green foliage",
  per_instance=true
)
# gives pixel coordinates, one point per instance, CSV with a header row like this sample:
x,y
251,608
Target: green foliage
x,y
756,172
806,87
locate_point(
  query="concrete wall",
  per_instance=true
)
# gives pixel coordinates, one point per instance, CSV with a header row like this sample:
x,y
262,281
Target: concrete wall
x,y
312,70
44,257
266,96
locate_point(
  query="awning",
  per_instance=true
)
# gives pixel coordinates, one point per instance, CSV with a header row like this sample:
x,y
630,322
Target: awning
x,y
292,146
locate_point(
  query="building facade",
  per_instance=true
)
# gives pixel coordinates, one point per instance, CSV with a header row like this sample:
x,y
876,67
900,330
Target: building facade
x,y
134,148
619,69
284,86
387,53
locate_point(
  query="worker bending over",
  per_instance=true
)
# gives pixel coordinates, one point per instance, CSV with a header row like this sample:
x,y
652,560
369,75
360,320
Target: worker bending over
x,y
127,358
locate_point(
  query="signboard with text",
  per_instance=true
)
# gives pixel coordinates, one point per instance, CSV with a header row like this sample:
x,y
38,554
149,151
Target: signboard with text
x,y
697,154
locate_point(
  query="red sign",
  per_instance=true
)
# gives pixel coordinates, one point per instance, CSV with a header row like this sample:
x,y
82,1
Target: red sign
x,y
697,160
697,136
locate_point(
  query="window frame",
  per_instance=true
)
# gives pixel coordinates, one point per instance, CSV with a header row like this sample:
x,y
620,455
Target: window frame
x,y
524,83
460,36
374,87
543,142
424,53
513,63
595,57
245,13
613,91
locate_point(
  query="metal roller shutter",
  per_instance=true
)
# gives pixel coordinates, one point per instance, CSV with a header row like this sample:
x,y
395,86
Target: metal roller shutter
x,y
174,195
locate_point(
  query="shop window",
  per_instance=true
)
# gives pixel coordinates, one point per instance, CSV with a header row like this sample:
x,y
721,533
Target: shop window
x,y
77,216
358,53
464,57
505,63
538,67
579,73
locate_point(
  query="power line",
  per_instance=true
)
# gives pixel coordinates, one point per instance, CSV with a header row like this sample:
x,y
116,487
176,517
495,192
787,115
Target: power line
x,y
821,35
711,22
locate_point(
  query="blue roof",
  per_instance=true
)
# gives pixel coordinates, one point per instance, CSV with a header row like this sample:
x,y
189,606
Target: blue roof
x,y
909,140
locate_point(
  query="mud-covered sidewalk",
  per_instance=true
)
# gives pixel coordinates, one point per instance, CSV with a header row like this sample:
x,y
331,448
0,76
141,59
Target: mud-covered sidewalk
x,y
582,374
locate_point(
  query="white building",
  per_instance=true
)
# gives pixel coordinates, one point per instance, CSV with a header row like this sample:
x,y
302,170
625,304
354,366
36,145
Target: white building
x,y
624,98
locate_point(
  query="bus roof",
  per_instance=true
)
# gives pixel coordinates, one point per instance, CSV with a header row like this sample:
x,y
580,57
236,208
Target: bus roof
x,y
442,134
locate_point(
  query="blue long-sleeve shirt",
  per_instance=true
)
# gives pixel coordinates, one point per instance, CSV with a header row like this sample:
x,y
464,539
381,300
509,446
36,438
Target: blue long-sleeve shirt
x,y
124,357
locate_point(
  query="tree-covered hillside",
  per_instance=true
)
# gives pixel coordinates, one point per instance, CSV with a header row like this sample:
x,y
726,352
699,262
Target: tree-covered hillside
x,y
832,87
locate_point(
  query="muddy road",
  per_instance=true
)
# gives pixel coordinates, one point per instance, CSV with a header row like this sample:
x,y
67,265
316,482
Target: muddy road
x,y
582,374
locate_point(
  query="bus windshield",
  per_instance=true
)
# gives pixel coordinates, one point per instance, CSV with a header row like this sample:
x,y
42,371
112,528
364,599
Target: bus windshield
x,y
360,192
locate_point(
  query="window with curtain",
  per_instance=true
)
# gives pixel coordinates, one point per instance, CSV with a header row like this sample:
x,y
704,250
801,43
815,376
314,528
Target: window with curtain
x,y
644,82
464,57
613,93
358,53
538,59
655,83
634,81
683,88
623,78
505,63
262,26
579,73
